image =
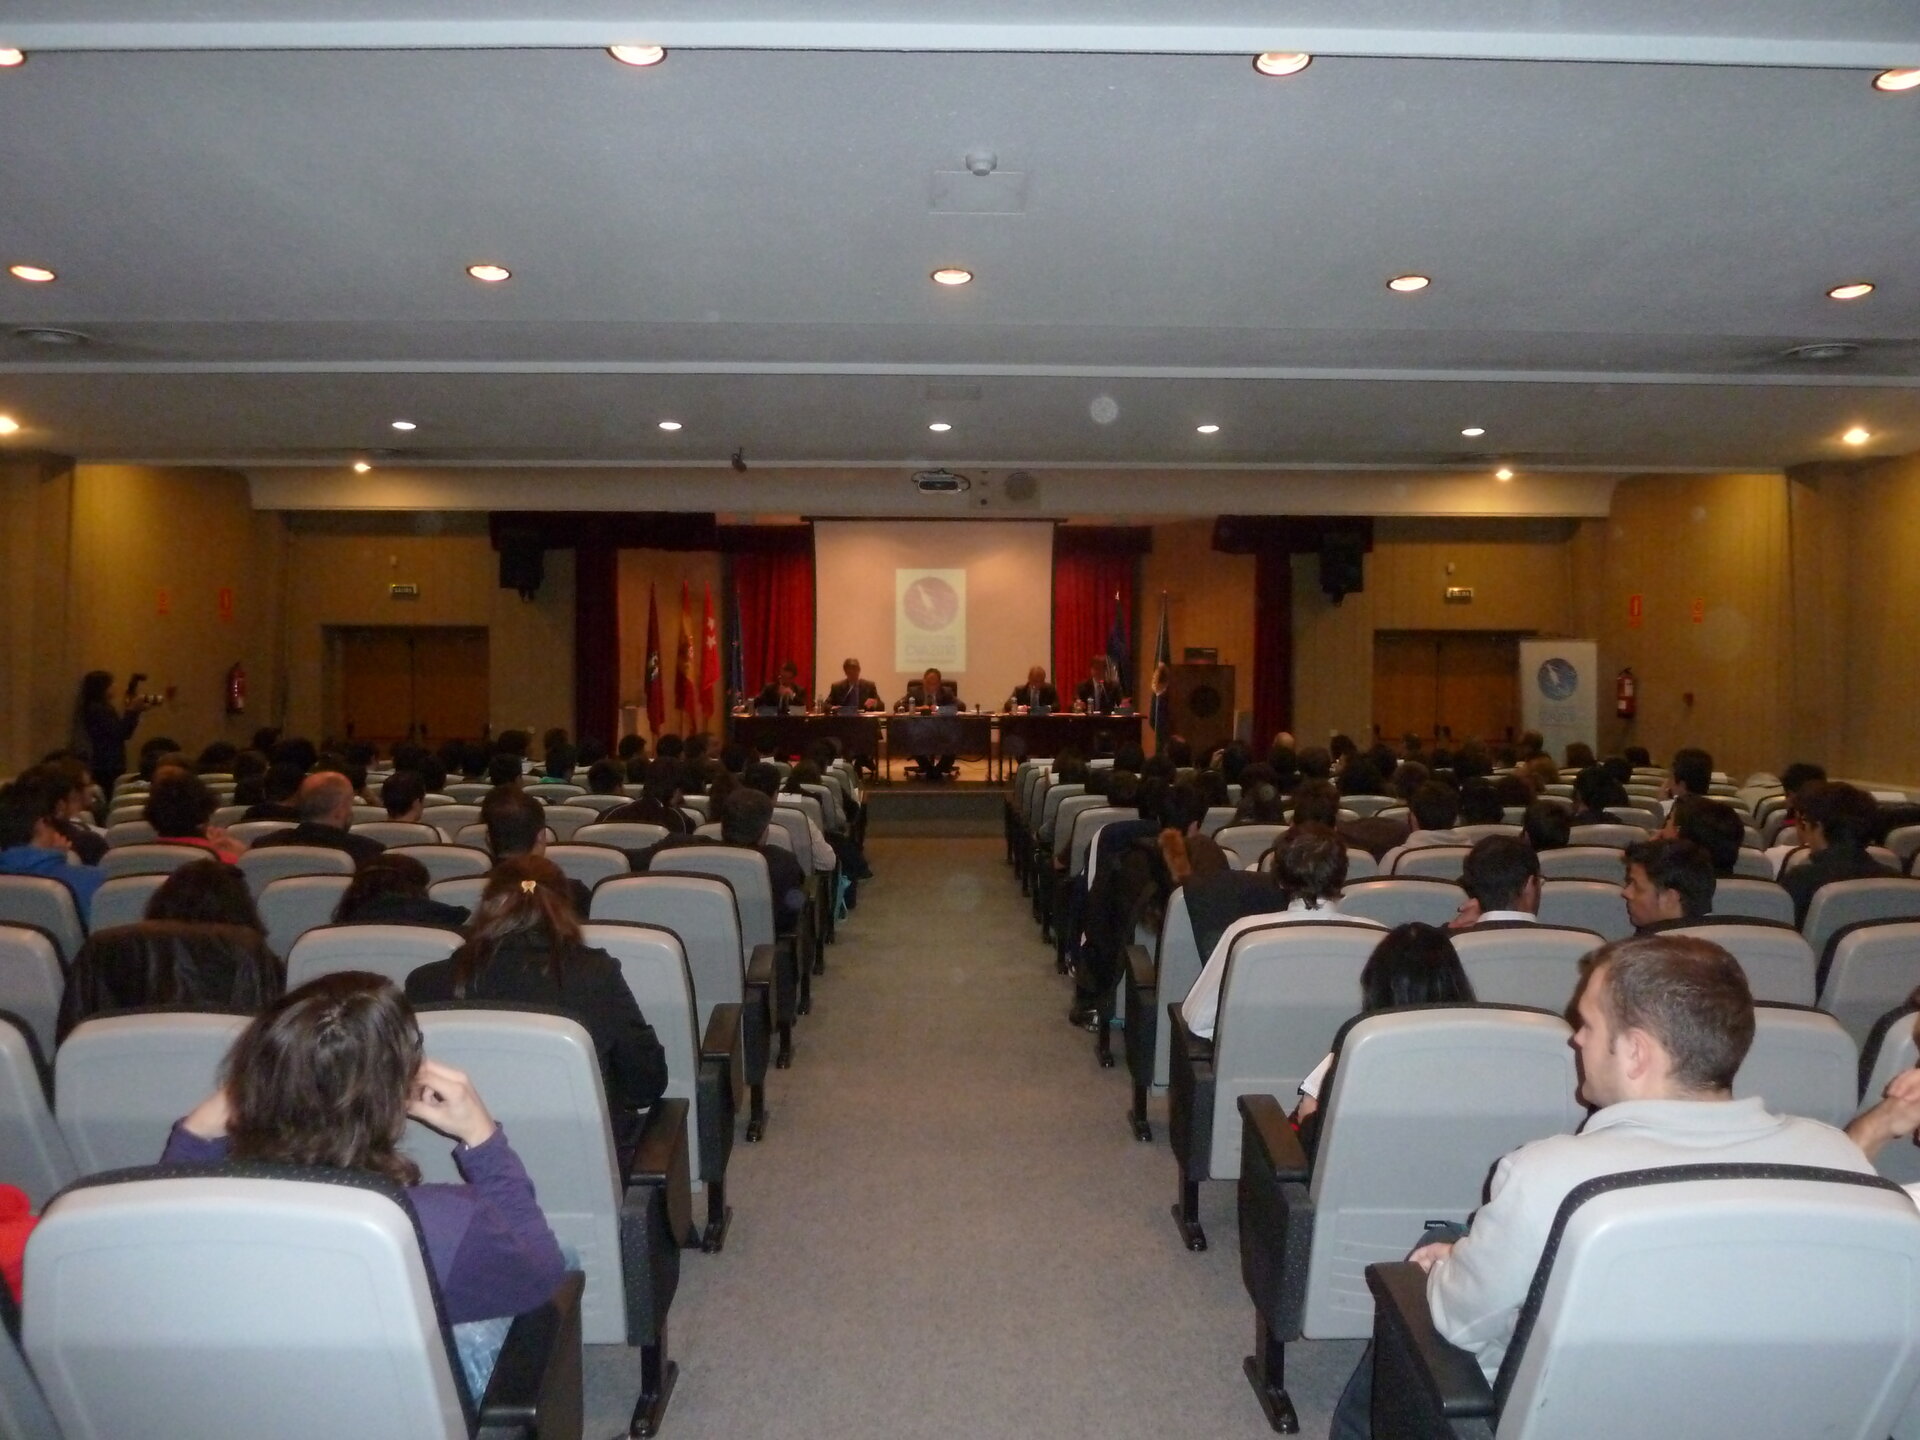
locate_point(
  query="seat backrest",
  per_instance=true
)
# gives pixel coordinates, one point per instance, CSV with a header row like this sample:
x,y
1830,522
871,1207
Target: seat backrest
x,y
700,910
792,823
776,834
1587,905
276,862
1583,862
122,901
1752,864
1848,902
394,951
1050,802
1217,818
1802,1062
33,1152
1365,805
556,792
1178,964
654,963
130,832
589,864
1537,965
1396,900
621,834
1248,842
564,820
221,1343
1422,1102
745,871
1617,837
1904,841
1876,966
120,1081
450,820
1890,1049
700,805
1431,862
599,804
1361,865
299,903
1753,897
43,904
394,833
155,859
1287,990
1776,958
31,981
227,816
469,792
1063,820
1767,1300
461,890
249,831
1085,825
446,862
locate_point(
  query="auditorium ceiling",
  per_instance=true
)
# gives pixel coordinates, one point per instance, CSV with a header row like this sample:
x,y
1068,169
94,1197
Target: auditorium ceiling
x,y
260,216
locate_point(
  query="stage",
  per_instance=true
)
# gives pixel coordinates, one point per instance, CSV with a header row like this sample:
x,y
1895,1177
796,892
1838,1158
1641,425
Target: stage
x,y
969,806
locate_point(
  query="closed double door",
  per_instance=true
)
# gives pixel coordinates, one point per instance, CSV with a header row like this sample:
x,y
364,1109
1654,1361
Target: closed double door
x,y
1449,686
420,683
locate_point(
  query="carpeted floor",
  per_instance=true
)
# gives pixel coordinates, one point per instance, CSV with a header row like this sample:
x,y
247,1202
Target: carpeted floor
x,y
949,1230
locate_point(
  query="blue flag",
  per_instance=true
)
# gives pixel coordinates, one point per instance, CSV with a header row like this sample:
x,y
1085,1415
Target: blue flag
x,y
1162,673
736,657
1119,651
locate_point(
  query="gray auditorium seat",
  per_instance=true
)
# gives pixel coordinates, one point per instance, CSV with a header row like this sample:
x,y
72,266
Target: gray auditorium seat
x,y
397,833
31,980
599,804
1366,805
154,859
221,1344
1848,902
122,900
277,862
1431,862
1616,836
248,831
700,909
1752,864
1715,1303
1583,862
564,820
292,906
745,872
554,792
621,834
130,832
1088,823
469,792
1802,1062
1889,1050
1876,966
33,1153
1587,905
1361,865
1536,965
1287,990
1217,818
1756,897
1249,841
541,1079
1396,900
776,835
446,862
120,1081
1776,958
589,864
450,820
462,890
43,904
1418,1107
394,951
1155,981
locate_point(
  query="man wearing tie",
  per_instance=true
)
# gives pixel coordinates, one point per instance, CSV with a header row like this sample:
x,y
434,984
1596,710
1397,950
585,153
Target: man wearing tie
x,y
853,693
931,692
785,693
1036,693
1097,695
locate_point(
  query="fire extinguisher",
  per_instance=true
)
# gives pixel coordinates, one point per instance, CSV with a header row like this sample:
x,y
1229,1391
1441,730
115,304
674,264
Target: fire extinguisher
x,y
1625,696
237,689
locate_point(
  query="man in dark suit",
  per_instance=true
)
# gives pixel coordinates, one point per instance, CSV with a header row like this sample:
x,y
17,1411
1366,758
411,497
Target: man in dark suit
x,y
930,692
1097,695
325,808
853,693
785,693
1036,693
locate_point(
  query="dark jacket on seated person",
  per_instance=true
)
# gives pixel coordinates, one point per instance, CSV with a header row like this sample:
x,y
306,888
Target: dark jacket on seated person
x,y
170,962
649,811
1215,901
587,985
1824,867
394,908
788,882
327,837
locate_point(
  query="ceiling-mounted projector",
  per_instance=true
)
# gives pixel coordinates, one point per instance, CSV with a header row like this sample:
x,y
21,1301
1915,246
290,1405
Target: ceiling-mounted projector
x,y
940,482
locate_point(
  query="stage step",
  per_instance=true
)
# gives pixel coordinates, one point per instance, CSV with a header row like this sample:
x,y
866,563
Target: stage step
x,y
936,810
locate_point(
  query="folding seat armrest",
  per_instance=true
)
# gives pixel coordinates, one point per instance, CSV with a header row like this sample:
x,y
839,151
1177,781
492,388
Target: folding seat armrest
x,y
1423,1386
1268,1141
723,1048
660,1163
536,1390
760,966
1142,970
1190,1082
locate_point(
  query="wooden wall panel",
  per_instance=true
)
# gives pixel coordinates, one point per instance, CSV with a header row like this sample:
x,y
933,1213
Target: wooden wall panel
x,y
1518,570
39,680
1870,570
1209,601
1332,660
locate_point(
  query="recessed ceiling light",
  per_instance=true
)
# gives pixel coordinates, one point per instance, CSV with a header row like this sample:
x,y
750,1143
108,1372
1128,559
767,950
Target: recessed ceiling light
x,y
1208,429
1407,284
405,425
1891,80
361,467
8,425
1474,432
1857,436
32,274
951,275
1852,290
492,274
669,424
940,427
638,55
10,58
1503,473
1281,62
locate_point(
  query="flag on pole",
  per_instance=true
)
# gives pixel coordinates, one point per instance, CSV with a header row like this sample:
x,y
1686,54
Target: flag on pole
x,y
709,659
656,688
683,700
1162,677
736,656
1118,648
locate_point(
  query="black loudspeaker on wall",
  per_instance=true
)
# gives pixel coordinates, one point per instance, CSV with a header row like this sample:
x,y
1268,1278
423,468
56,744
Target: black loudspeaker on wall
x,y
1342,565
1202,705
523,563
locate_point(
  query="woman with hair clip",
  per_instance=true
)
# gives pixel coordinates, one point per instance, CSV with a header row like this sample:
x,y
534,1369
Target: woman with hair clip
x,y
329,1076
523,945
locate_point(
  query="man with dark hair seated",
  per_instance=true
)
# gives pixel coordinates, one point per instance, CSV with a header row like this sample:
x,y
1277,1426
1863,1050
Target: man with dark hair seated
x,y
1546,826
630,747
1433,809
325,808
32,842
1480,803
1595,791
278,787
1315,802
1669,882
1691,773
516,825
662,790
179,806
504,768
68,777
1501,876
1837,823
561,760
604,777
404,793
1713,825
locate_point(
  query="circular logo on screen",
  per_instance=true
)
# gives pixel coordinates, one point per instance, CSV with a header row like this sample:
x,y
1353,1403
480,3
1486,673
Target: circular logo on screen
x,y
930,603
1558,679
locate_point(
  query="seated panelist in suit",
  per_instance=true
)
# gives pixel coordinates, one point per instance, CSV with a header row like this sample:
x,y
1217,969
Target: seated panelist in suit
x,y
853,693
927,693
1097,695
1036,693
785,693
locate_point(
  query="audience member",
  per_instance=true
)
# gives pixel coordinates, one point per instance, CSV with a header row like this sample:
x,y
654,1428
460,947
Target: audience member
x,y
1713,825
206,892
404,793
178,807
1669,882
505,768
325,810
562,759
67,776
1501,876
659,803
1546,825
101,729
278,789
1837,823
1690,774
1480,803
391,889
33,843
604,778
1595,792
1433,811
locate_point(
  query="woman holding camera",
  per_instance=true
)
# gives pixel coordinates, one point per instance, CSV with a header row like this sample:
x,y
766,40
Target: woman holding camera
x,y
101,729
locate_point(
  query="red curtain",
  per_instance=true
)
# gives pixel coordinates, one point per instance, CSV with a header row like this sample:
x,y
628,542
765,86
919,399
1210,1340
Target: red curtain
x,y
774,590
1272,646
1087,575
596,643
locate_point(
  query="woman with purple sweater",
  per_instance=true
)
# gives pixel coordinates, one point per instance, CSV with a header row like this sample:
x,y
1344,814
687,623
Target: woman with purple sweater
x,y
329,1076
